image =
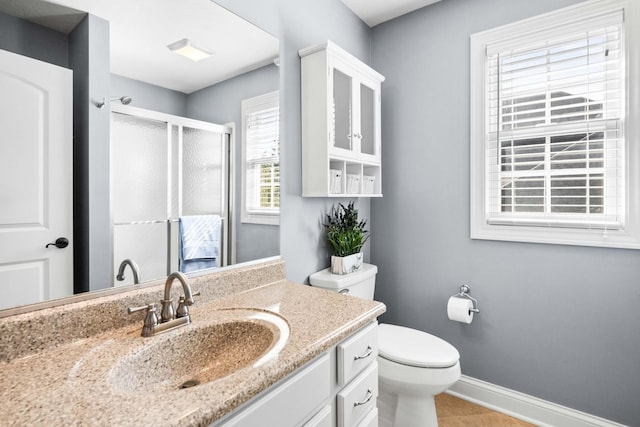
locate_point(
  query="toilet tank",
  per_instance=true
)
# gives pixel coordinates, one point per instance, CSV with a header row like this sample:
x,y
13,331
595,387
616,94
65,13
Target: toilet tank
x,y
361,283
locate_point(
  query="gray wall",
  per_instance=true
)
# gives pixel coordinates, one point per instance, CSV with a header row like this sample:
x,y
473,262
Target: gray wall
x,y
299,24
151,97
32,40
221,103
557,322
89,59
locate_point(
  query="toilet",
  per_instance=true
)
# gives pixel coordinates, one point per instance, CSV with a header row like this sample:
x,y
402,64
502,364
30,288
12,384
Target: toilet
x,y
413,366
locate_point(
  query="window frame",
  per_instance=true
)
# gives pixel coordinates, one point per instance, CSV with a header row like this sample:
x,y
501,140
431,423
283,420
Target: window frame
x,y
480,227
270,217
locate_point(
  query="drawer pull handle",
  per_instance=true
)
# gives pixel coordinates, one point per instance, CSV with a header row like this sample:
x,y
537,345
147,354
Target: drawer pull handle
x,y
366,400
364,356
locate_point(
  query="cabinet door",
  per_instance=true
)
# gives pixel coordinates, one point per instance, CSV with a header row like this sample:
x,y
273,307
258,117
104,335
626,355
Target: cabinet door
x,y
291,402
341,141
368,122
354,116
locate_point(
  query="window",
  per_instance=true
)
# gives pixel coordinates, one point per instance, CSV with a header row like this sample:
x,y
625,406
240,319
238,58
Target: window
x,y
261,159
554,156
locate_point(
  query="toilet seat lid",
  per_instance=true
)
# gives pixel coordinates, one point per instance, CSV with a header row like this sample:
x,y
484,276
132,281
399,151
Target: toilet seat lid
x,y
415,348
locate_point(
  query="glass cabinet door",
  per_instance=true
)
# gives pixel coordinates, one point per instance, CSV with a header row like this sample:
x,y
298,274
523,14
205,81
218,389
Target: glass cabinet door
x,y
367,134
340,115
353,115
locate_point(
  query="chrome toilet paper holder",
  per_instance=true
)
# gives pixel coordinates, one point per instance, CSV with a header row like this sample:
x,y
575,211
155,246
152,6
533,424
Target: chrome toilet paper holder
x,y
464,293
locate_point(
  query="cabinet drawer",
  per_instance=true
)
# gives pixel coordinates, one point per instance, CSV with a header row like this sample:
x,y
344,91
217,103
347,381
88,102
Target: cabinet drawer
x,y
356,353
321,419
358,398
291,402
371,419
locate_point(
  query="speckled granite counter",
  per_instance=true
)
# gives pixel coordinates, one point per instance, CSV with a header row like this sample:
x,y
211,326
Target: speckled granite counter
x,y
74,382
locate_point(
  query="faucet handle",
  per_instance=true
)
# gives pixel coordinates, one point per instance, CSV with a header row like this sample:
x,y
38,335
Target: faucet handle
x,y
183,307
150,320
132,310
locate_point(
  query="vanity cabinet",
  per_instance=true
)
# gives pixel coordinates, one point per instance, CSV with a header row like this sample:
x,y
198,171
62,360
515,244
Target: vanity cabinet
x,y
341,132
337,389
290,403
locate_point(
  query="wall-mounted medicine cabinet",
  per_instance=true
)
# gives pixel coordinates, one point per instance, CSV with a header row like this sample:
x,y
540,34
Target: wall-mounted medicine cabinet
x,y
340,124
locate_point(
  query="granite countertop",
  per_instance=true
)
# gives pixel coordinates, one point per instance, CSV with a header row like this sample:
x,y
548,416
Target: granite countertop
x,y
78,382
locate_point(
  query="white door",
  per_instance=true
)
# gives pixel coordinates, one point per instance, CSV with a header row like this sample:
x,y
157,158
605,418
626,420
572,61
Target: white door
x,y
35,180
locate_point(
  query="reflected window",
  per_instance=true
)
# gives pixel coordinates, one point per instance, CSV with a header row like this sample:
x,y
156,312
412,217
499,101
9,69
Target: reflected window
x,y
261,159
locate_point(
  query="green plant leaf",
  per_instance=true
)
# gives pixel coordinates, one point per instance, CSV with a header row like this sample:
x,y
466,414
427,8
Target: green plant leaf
x,y
345,234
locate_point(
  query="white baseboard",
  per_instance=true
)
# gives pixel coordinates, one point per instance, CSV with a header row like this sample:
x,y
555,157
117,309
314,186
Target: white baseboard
x,y
524,407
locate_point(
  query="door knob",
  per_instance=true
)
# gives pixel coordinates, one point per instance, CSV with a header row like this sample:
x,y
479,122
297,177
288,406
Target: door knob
x,y
60,243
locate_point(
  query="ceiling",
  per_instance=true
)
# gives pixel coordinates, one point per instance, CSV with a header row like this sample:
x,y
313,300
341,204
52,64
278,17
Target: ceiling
x,y
140,31
374,12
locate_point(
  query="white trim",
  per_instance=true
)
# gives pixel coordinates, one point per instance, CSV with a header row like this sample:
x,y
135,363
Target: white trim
x,y
480,228
246,216
336,50
164,117
528,28
233,194
523,406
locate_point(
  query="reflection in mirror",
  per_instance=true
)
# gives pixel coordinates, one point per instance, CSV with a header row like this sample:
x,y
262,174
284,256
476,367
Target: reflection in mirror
x,y
107,51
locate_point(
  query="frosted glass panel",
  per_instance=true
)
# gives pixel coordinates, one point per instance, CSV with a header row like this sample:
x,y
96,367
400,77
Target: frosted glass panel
x,y
175,172
146,244
139,155
202,172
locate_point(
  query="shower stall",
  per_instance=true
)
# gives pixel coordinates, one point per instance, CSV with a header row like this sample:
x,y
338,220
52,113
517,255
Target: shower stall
x,y
164,168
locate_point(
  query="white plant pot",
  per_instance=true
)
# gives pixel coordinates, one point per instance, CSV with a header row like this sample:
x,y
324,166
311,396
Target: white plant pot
x,y
346,264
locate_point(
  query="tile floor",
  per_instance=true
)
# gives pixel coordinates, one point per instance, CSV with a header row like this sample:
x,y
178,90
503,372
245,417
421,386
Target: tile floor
x,y
454,412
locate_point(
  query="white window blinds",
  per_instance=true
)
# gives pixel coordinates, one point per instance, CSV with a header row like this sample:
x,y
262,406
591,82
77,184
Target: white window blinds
x,y
261,116
555,108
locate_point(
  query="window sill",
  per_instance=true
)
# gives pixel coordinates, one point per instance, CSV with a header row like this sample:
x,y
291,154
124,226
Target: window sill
x,y
615,238
260,218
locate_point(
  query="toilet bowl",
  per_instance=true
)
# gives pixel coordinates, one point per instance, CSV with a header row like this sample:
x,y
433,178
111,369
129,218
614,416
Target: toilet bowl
x,y
413,366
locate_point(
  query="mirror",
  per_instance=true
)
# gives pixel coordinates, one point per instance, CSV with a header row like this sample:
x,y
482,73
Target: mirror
x,y
144,68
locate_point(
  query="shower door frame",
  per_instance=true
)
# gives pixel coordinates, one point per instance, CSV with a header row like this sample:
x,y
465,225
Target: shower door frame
x,y
228,225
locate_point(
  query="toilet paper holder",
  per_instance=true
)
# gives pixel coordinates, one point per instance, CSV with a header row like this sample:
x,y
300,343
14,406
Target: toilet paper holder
x,y
464,293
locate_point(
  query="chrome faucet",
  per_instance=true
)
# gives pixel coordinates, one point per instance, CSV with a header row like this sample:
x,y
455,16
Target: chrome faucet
x,y
134,268
169,318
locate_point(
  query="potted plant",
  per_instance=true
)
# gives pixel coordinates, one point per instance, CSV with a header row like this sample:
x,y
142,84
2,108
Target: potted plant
x,y
346,235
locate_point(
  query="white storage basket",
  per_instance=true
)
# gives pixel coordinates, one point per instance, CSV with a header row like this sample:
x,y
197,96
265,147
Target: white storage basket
x,y
335,181
353,183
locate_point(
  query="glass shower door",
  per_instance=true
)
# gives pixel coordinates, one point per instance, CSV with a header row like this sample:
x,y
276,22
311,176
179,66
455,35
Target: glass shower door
x,y
164,169
140,159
